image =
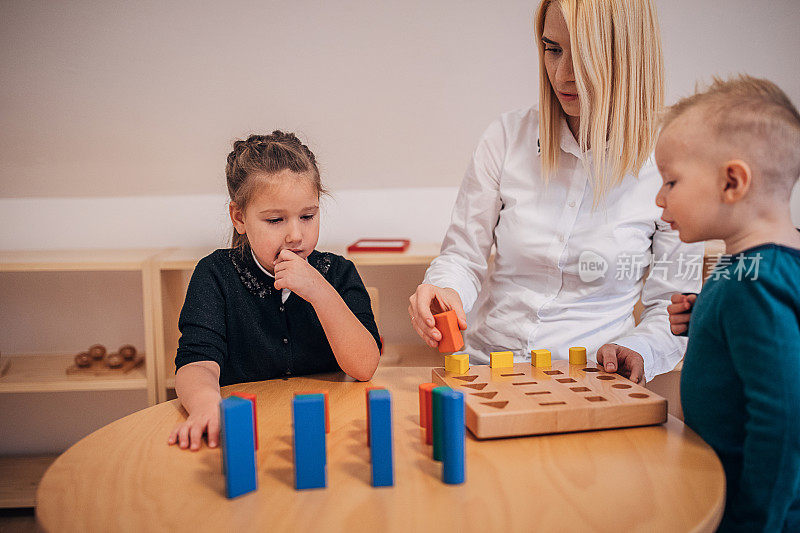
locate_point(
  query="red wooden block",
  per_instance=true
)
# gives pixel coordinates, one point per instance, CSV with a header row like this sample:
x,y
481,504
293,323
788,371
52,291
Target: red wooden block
x,y
428,392
422,412
447,324
366,395
324,392
252,398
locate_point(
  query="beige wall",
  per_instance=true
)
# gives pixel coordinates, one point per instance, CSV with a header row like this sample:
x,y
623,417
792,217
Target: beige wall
x,y
112,98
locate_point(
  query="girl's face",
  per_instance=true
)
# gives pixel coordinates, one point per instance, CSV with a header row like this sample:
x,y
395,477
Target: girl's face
x,y
283,214
558,61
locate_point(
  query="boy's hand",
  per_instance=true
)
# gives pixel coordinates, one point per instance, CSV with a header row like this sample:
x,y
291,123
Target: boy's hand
x,y
189,434
624,361
294,273
680,312
428,300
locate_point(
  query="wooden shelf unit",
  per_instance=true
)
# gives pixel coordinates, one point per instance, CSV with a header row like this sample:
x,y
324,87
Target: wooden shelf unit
x,y
47,372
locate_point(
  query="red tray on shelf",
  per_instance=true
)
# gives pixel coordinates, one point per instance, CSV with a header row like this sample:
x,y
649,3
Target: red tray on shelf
x,y
379,245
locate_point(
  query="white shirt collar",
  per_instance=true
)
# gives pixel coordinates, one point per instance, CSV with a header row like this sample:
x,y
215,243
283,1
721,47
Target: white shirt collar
x,y
285,292
567,143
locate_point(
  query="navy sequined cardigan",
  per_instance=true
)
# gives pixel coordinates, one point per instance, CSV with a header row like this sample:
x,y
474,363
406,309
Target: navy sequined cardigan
x,y
233,315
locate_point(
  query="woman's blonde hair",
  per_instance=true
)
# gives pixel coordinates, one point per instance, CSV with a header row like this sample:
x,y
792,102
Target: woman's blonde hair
x,y
619,73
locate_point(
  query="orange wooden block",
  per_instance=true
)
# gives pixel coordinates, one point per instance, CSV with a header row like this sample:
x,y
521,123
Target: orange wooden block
x,y
252,399
422,411
447,324
366,395
324,392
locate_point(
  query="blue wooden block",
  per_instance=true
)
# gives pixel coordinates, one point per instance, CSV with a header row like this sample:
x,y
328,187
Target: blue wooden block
x,y
380,434
454,435
308,413
238,446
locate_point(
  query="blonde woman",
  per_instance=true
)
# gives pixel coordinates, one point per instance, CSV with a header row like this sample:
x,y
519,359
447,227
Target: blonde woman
x,y
565,194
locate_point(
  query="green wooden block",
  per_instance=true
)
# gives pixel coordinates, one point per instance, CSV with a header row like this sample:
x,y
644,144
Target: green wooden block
x,y
438,422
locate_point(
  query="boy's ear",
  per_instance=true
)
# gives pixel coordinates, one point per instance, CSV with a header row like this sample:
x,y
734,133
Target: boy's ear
x,y
738,180
237,217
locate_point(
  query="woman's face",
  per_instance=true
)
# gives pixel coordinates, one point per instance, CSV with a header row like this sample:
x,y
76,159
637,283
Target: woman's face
x,y
558,60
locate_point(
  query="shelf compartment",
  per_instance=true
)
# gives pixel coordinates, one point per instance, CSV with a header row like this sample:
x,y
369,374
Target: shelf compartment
x,y
47,373
19,479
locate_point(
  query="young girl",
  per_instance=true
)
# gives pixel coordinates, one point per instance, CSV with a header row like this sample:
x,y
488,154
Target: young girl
x,y
270,305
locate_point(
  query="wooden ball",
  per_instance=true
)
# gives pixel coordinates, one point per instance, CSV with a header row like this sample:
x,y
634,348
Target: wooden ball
x,y
114,360
97,351
128,352
83,360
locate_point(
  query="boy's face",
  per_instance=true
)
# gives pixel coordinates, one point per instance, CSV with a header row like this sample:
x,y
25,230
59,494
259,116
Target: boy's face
x,y
689,194
281,215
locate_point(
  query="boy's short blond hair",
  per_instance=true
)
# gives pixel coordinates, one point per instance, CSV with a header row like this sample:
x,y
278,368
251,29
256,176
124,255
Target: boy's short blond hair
x,y
755,117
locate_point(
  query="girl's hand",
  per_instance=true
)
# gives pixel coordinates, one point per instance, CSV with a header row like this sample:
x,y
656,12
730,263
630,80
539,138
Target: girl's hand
x,y
428,300
680,312
294,273
189,434
624,361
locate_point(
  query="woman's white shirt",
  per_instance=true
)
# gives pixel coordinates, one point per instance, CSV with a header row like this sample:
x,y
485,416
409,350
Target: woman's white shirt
x,y
547,287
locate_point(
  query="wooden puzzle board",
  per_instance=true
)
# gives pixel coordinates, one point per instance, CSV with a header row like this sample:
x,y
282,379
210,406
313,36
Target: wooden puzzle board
x,y
525,400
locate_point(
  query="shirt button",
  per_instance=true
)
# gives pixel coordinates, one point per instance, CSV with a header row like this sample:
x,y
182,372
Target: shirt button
x,y
561,238
281,309
285,340
572,203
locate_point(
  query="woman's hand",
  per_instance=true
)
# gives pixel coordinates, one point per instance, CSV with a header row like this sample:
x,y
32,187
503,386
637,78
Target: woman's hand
x,y
624,361
203,419
428,300
294,273
680,312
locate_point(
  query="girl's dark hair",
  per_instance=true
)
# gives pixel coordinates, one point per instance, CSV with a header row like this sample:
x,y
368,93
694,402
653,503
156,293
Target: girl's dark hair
x,y
265,155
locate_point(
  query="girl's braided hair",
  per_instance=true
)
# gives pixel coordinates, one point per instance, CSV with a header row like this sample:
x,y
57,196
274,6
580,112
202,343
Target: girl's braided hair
x,y
266,155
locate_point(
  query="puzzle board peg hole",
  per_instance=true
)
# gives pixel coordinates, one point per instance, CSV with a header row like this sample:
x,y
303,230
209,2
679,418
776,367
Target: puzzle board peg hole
x,y
595,398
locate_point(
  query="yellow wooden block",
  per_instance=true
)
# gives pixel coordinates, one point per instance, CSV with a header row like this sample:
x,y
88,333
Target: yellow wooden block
x,y
540,358
501,360
577,355
458,363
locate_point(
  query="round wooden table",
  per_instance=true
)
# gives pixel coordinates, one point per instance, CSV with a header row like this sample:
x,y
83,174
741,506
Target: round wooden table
x,y
124,477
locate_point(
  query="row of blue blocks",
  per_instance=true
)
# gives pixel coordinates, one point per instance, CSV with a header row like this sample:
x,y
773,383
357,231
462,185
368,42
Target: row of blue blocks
x,y
310,456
